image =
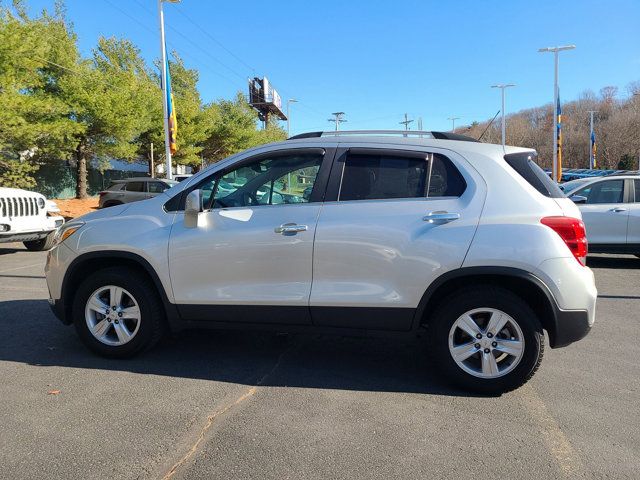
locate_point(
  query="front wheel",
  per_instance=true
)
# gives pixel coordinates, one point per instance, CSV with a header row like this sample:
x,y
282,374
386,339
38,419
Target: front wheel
x,y
117,312
486,339
45,243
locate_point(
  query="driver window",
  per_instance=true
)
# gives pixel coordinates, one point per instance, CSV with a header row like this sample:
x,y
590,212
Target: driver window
x,y
609,191
268,181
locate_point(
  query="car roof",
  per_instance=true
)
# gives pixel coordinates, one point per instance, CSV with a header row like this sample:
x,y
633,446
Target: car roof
x,y
140,179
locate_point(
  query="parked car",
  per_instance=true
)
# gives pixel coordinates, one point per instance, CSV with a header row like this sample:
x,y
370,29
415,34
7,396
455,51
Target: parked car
x,y
182,176
132,190
610,209
470,245
28,217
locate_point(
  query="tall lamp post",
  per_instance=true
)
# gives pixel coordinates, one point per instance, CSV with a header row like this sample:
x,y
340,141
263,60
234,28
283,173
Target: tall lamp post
x,y
290,101
502,87
165,107
555,51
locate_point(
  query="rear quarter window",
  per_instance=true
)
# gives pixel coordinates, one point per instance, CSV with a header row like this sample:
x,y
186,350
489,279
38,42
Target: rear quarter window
x,y
525,164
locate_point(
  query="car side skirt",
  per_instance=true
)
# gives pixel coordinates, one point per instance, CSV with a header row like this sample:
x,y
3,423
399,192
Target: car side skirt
x,y
622,248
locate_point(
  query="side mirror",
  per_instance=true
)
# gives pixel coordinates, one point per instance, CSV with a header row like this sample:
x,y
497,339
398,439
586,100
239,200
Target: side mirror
x,y
578,199
192,207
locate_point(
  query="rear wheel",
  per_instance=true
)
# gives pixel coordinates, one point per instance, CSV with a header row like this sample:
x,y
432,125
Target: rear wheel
x,y
486,339
45,243
117,313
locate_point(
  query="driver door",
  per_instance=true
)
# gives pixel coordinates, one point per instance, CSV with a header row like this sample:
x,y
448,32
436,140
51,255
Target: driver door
x,y
250,257
605,214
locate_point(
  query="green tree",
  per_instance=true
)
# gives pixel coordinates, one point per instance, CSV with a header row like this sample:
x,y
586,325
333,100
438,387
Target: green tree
x,y
110,96
232,127
189,115
35,55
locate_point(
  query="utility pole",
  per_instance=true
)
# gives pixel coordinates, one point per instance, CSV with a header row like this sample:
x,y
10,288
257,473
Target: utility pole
x,y
339,118
453,122
555,51
406,121
591,140
502,86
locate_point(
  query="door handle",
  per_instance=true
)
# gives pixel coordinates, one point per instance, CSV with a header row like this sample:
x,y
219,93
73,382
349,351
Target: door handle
x,y
618,209
290,228
439,218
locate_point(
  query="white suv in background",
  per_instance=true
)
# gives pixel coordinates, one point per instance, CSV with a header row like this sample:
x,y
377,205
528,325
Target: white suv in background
x,y
28,217
389,232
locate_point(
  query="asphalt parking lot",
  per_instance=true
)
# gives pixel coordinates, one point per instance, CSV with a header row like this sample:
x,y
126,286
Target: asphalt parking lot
x,y
237,405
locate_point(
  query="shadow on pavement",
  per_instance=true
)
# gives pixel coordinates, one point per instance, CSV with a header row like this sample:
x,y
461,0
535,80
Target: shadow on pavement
x,y
613,262
33,336
7,251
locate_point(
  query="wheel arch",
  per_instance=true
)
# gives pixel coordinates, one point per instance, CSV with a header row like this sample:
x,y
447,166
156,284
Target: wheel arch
x,y
91,262
524,284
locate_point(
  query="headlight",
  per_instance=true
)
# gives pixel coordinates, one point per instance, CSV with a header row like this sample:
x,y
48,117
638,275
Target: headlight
x,y
40,202
65,231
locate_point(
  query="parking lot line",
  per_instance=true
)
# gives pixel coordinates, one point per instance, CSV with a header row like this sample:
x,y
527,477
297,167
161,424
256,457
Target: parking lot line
x,y
554,438
20,268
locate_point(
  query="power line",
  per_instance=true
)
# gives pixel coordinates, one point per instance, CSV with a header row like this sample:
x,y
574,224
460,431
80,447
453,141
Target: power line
x,y
339,118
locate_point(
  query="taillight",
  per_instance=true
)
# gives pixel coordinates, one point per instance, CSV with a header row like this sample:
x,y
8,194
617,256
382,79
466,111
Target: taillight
x,y
102,194
572,231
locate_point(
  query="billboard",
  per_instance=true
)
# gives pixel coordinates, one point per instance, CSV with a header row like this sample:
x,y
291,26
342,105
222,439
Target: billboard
x,y
264,98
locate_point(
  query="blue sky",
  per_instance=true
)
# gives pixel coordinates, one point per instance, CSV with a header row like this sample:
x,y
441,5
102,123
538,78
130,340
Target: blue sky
x,y
377,60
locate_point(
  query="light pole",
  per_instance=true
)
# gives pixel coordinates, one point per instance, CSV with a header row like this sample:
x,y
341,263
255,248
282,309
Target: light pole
x,y
165,107
453,122
555,51
290,101
591,140
502,86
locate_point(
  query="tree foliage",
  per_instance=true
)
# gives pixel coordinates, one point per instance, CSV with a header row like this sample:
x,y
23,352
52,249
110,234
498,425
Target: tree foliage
x,y
58,106
616,125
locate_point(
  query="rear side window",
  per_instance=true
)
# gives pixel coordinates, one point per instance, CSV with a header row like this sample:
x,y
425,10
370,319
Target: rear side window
x,y
135,187
378,177
525,164
115,186
637,190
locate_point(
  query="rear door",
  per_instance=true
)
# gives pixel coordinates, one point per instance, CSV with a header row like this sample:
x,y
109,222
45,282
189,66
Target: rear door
x,y
134,191
392,222
606,213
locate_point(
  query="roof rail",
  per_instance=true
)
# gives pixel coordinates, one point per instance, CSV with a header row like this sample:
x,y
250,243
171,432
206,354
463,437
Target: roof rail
x,y
403,133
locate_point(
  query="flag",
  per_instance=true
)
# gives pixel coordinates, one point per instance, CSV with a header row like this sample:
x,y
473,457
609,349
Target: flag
x,y
559,136
594,149
171,114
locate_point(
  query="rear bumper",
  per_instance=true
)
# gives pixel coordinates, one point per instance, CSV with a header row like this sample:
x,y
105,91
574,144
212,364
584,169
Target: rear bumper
x,y
571,326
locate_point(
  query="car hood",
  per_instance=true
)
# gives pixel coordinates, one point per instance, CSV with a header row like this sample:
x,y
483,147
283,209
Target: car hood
x,y
104,213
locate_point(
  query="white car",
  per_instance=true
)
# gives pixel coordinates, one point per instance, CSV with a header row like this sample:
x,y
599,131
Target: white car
x,y
403,233
610,209
28,217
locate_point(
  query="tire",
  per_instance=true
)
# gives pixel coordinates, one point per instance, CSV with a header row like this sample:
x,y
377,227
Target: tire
x,y
45,243
136,291
507,371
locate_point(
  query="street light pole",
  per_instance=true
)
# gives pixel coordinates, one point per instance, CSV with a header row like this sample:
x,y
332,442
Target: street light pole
x,y
165,107
555,51
290,101
502,86
591,159
453,123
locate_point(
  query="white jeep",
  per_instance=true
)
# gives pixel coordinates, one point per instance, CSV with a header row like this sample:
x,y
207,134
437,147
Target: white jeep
x,y
28,217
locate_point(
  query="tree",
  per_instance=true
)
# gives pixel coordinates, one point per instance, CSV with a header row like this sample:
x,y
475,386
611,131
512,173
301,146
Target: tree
x,y
232,127
110,96
35,55
189,113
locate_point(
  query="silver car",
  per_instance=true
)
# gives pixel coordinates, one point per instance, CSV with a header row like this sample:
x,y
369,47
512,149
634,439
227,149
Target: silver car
x,y
132,190
610,209
405,233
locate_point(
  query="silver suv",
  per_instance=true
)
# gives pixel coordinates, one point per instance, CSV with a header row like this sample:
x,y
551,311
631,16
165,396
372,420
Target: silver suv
x,y
133,189
417,232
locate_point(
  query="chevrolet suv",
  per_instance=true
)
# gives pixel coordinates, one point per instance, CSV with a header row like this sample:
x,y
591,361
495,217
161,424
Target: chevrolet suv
x,y
469,244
